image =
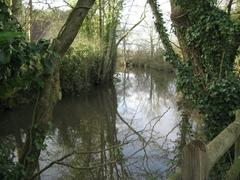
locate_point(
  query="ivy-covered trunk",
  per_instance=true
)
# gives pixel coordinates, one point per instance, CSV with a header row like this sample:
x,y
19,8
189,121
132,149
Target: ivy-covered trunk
x,y
209,40
170,55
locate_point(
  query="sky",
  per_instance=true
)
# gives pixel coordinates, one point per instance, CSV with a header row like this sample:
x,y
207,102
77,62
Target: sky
x,y
131,14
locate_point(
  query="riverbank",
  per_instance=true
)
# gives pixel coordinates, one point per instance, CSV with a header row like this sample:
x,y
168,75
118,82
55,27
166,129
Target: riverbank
x,y
156,63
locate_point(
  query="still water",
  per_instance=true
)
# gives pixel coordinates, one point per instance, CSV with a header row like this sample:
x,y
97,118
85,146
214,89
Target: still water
x,y
124,131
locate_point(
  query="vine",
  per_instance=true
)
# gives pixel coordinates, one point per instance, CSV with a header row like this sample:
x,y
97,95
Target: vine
x,y
216,92
23,65
212,41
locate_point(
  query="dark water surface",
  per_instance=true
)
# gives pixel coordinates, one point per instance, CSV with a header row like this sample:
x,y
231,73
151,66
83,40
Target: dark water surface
x,y
126,131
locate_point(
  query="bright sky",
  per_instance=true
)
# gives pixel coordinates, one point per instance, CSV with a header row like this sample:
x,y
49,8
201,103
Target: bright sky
x,y
132,12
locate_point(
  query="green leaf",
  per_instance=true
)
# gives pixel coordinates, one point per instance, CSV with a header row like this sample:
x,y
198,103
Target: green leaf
x,y
7,36
4,58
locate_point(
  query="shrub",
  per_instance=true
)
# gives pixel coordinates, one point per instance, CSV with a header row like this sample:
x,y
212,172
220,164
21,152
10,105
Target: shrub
x,y
79,70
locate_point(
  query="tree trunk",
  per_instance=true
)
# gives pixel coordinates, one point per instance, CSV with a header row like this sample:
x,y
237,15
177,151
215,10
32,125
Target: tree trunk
x,y
181,22
159,24
183,19
151,44
108,46
17,8
50,93
29,21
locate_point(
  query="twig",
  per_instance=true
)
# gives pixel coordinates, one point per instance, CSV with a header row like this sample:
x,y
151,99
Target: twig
x,y
130,127
143,16
132,28
70,154
51,164
87,168
170,132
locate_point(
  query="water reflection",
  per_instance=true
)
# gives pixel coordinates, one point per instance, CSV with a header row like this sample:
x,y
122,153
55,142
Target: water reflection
x,y
88,125
126,131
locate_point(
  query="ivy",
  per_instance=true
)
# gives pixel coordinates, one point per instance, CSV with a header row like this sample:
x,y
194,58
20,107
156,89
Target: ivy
x,y
212,40
212,35
23,65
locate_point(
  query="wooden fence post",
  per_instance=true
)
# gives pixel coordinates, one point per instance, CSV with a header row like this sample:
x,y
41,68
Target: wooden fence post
x,y
195,161
237,143
237,146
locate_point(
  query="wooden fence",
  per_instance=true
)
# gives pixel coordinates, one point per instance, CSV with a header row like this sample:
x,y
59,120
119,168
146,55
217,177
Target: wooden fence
x,y
198,158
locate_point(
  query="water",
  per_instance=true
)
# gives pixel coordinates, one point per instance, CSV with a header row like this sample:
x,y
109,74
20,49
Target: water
x,y
126,131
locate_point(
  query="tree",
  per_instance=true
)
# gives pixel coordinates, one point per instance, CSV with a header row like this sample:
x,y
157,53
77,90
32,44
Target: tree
x,y
50,93
209,40
17,8
108,22
171,56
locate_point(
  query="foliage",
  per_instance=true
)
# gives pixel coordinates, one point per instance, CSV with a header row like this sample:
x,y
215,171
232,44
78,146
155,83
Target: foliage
x,y
207,77
79,69
142,58
8,36
47,23
170,55
92,57
216,92
22,64
9,169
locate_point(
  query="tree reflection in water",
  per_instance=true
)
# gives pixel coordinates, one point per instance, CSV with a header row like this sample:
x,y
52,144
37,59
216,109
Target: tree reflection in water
x,y
109,133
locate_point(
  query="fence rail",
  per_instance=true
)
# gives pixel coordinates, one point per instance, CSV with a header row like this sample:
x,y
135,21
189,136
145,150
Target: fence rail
x,y
199,158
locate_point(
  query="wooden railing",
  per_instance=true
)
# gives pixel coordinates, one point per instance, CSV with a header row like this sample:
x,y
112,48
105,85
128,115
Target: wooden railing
x,y
198,159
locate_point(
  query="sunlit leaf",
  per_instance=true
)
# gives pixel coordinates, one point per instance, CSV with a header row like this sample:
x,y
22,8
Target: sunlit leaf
x,y
6,36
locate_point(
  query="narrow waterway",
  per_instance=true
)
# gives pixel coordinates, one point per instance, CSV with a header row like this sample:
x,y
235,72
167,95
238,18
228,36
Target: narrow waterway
x,y
124,131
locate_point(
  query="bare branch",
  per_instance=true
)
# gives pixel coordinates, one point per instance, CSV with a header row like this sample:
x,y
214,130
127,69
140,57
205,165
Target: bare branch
x,y
87,168
51,164
58,161
132,28
229,6
143,16
130,127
